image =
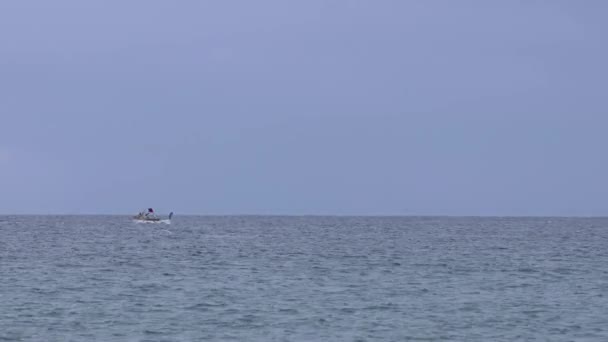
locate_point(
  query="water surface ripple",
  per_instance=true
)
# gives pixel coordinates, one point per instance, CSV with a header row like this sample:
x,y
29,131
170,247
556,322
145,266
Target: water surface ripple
x,y
85,278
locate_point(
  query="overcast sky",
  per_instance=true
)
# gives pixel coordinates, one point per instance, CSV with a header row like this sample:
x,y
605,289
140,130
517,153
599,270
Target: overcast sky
x,y
304,107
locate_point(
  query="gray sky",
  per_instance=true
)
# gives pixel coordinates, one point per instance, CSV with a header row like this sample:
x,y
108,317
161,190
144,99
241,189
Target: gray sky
x,y
304,107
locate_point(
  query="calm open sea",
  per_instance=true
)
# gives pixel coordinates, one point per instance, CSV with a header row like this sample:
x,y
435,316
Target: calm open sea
x,y
249,278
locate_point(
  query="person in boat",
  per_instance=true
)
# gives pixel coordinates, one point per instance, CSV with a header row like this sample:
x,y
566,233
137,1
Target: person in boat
x,y
150,214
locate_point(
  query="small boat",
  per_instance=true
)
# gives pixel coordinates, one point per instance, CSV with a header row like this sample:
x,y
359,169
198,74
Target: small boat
x,y
149,216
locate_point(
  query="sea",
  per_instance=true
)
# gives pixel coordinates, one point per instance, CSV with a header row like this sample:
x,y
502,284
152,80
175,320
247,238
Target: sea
x,y
274,278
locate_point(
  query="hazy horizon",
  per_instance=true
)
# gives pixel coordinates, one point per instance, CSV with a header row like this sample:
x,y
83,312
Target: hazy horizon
x,y
286,215
343,108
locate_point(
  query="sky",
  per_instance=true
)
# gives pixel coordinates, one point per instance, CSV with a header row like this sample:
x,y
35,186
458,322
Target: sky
x,y
304,107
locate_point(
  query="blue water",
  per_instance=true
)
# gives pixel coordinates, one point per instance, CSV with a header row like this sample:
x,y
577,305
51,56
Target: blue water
x,y
104,278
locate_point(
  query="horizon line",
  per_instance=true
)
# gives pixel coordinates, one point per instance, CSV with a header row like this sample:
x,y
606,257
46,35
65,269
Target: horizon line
x,y
322,215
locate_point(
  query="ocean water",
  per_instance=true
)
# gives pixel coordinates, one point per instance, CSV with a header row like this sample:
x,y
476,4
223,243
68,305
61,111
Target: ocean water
x,y
104,278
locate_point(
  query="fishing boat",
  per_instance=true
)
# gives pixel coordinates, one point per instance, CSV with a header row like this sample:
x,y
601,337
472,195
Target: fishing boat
x,y
149,216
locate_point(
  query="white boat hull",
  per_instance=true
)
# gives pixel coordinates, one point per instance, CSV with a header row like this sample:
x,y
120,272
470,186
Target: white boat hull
x,y
152,221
